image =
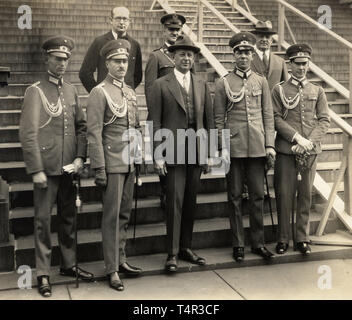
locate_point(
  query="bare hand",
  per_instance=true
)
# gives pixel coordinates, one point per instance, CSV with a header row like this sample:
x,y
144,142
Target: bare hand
x,y
270,152
160,167
40,179
306,144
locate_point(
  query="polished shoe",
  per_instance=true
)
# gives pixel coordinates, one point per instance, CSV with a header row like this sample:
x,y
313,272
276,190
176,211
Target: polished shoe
x,y
263,252
171,263
190,256
238,254
304,248
281,247
82,274
44,286
115,282
129,270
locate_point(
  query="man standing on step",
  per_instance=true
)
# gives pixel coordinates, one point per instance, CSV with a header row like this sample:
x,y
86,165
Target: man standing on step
x,y
264,62
112,112
53,135
242,104
93,61
301,120
159,64
180,101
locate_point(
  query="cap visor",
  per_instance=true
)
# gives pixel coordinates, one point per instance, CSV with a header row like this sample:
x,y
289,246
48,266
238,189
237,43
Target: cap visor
x,y
60,54
300,59
119,56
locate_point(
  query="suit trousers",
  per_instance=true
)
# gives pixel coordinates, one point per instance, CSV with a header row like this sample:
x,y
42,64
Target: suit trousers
x,y
182,182
250,170
117,206
286,184
61,190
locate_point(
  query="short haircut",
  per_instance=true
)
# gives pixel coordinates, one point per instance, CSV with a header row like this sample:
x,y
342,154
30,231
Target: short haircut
x,y
119,9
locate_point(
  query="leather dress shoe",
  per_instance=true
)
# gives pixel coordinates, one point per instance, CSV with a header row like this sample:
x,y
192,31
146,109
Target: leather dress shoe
x,y
44,286
238,254
281,247
263,252
129,270
115,282
82,274
171,263
190,256
304,248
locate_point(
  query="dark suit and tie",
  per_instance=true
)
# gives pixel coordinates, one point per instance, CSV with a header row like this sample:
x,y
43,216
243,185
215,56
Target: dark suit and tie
x,y
177,104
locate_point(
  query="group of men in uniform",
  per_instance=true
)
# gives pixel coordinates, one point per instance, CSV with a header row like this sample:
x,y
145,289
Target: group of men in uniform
x,y
250,103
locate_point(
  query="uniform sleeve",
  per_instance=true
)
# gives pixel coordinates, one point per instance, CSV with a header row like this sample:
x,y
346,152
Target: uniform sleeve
x,y
138,73
28,131
89,65
81,129
281,126
151,74
268,115
322,113
220,103
95,119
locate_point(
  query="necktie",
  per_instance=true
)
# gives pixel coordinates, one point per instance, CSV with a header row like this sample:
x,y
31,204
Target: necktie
x,y
265,61
185,86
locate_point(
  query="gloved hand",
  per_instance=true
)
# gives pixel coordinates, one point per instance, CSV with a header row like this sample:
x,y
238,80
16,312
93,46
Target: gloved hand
x,y
100,177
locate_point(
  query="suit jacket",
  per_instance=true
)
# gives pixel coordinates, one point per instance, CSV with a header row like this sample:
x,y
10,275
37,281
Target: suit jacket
x,y
277,71
159,64
168,110
251,120
106,145
48,146
93,61
310,118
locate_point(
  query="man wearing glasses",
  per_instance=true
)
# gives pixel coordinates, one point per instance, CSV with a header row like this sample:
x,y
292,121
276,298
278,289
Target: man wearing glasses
x,y
120,20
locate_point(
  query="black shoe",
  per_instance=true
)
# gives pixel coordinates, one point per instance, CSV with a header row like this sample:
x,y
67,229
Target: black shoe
x,y
263,252
129,270
238,254
116,284
44,286
190,256
82,274
171,263
281,247
304,248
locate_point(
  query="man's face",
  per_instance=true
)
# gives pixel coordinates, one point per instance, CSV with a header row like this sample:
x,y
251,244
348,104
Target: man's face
x,y
243,59
56,65
120,20
117,66
171,34
299,69
264,41
184,60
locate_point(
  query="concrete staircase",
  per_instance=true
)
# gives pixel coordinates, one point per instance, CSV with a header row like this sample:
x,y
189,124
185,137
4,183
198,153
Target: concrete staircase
x,y
22,54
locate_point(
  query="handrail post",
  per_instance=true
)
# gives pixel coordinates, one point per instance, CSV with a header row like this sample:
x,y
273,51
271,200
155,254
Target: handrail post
x,y
234,3
281,26
4,211
347,147
350,79
200,21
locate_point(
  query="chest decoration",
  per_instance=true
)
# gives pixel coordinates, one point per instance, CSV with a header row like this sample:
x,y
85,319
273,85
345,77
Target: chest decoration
x,y
118,110
233,97
53,110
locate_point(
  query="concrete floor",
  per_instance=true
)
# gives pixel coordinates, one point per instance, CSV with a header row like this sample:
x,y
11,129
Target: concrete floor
x,y
326,279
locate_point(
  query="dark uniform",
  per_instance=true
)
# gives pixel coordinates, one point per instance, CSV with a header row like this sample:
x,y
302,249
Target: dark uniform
x,y
300,107
53,134
242,104
111,111
160,63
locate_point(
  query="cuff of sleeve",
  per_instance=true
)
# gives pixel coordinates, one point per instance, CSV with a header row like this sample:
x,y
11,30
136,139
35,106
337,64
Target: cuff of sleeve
x,y
294,137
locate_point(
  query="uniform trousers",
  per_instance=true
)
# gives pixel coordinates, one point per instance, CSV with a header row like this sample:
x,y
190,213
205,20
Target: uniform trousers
x,y
61,190
182,182
286,184
250,170
117,206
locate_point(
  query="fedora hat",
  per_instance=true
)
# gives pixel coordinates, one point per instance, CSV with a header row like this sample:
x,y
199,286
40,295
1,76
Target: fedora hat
x,y
184,42
263,27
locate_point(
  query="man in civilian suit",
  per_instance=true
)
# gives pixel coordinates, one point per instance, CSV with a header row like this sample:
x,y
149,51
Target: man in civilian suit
x,y
264,62
180,100
120,20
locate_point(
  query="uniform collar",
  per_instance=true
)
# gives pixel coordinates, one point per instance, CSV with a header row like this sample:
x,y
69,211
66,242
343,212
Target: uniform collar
x,y
298,82
115,81
243,74
55,79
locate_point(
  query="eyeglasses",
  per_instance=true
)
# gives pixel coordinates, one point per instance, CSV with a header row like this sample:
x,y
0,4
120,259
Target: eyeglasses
x,y
124,19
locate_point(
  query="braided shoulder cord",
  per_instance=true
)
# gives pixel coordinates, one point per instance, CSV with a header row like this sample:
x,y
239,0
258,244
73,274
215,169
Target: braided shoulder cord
x,y
289,104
